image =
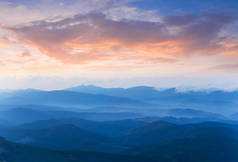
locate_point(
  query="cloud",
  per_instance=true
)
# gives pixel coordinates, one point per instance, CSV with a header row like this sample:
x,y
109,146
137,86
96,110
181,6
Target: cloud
x,y
20,12
4,42
181,83
226,68
201,33
86,37
25,54
93,37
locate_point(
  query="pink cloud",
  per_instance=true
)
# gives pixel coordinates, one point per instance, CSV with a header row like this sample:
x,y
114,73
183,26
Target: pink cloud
x,y
94,37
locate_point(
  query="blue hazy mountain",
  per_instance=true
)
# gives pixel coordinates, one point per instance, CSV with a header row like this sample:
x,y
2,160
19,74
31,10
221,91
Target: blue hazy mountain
x,y
60,97
60,137
142,92
34,113
68,136
196,149
23,115
234,116
189,120
159,131
106,128
14,152
211,100
138,124
191,113
145,92
148,100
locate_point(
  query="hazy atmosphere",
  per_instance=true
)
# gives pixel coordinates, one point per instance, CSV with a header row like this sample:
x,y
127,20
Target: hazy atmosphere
x,y
118,81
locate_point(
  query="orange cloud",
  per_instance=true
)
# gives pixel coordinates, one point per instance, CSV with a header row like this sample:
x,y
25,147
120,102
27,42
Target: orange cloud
x,y
225,67
93,37
229,47
5,42
25,54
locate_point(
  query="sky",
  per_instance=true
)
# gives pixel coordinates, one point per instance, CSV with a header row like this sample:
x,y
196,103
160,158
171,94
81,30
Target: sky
x,y
54,44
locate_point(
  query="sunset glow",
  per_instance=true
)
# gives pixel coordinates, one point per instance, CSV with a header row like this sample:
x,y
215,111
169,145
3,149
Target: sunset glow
x,y
120,39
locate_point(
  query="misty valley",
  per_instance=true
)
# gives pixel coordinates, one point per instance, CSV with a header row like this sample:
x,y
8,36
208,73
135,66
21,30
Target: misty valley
x,y
138,124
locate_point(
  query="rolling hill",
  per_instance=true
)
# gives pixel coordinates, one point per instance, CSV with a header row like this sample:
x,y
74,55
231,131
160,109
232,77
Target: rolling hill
x,y
105,128
24,115
61,97
60,137
207,100
13,152
159,131
205,149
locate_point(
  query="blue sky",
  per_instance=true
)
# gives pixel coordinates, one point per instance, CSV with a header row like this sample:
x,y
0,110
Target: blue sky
x,y
163,6
173,6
